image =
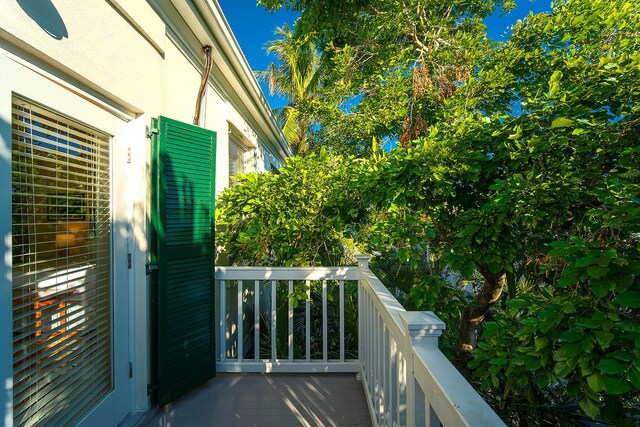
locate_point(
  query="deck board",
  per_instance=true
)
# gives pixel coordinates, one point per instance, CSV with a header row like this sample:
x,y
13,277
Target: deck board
x,y
279,400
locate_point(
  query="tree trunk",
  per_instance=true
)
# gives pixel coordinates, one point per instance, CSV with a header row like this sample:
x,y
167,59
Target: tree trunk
x,y
474,313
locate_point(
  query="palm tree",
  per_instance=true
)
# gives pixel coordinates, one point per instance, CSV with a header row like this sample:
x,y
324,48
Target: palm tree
x,y
295,77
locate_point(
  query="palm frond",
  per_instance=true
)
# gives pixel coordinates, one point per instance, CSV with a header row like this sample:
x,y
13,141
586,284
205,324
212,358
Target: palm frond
x,y
295,76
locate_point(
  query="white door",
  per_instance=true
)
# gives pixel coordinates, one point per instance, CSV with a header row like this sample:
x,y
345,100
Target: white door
x,y
69,223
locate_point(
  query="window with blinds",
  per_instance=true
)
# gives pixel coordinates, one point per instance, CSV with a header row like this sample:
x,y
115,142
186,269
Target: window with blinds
x,y
237,159
61,248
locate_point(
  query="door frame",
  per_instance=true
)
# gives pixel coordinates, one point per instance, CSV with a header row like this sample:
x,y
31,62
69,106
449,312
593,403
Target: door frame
x,y
22,78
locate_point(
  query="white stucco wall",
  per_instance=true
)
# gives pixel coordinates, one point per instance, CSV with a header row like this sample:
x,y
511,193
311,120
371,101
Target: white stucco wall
x,y
93,47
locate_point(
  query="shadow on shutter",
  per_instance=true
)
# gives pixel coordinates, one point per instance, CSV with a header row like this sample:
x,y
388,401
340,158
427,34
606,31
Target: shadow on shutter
x,y
183,203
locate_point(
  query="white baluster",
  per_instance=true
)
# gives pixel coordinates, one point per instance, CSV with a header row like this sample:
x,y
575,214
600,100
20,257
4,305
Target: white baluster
x,y
240,325
273,321
223,320
290,318
256,326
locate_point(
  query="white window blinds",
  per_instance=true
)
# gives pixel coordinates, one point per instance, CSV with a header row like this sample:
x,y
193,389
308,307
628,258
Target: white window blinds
x,y
237,159
61,250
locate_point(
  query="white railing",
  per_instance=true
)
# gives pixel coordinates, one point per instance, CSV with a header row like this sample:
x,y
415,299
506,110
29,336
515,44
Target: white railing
x,y
407,380
245,292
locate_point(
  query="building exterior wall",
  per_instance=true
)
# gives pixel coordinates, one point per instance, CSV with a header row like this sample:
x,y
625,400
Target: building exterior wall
x,y
129,61
145,63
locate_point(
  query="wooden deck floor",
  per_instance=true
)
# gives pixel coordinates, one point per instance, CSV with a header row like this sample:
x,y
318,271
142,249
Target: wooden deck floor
x,y
278,400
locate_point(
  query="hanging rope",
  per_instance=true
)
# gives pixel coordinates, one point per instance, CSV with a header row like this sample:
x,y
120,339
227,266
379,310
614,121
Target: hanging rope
x,y
207,50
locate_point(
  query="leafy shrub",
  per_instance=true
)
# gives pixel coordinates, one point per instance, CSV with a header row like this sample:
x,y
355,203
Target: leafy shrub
x,y
582,330
295,218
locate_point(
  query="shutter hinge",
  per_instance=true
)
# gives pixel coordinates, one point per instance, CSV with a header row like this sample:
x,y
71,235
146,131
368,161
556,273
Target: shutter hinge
x,y
128,154
150,268
129,260
130,370
150,131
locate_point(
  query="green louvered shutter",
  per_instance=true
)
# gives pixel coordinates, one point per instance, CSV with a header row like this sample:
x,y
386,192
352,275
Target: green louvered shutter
x,y
183,192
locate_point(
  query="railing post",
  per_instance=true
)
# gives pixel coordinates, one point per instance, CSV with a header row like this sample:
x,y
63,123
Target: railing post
x,y
363,263
422,328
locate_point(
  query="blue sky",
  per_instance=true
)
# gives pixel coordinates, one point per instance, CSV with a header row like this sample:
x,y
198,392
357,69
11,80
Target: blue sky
x,y
253,26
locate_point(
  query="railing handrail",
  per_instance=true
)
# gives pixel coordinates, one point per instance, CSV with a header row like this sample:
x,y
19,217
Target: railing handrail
x,y
451,396
287,273
384,300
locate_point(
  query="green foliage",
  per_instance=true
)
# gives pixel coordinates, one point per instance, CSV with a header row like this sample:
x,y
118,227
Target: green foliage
x,y
569,178
388,64
568,337
446,300
294,218
517,159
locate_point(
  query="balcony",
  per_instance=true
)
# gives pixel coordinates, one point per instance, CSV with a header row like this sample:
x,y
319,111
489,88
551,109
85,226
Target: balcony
x,y
282,363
